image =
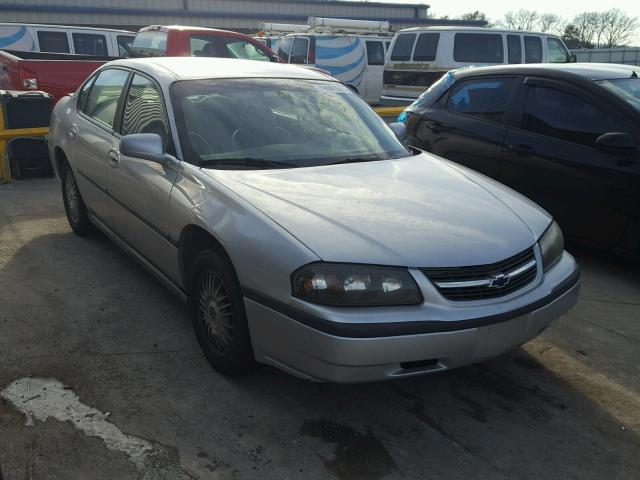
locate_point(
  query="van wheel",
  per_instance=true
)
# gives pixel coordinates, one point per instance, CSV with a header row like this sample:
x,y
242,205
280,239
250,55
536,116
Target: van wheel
x,y
217,312
73,204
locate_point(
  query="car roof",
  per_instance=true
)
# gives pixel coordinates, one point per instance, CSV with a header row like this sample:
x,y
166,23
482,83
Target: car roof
x,y
589,71
189,68
440,28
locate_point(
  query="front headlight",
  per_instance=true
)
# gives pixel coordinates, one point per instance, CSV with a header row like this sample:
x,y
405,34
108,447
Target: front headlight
x,y
354,285
551,246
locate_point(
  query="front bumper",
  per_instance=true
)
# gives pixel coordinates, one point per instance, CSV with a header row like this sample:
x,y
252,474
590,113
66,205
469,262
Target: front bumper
x,y
338,352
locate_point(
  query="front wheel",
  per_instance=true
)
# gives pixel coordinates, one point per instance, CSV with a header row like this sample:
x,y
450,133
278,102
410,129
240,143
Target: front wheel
x,y
73,204
217,312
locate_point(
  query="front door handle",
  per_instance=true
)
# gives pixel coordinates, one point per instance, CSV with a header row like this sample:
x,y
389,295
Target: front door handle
x,y
73,131
113,158
522,150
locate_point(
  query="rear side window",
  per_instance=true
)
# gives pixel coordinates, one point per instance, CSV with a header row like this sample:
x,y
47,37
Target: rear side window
x,y
426,47
483,98
514,49
558,114
90,44
402,48
54,42
82,94
124,45
375,53
299,50
144,110
149,44
478,48
283,49
532,49
103,98
557,51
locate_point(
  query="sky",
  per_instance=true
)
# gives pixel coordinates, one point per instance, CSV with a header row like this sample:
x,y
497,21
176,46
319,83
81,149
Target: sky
x,y
495,9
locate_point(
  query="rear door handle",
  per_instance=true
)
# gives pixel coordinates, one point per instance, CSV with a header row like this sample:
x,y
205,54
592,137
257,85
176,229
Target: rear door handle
x,y
113,158
73,131
522,150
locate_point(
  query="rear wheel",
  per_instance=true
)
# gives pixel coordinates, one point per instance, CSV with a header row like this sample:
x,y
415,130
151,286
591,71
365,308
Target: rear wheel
x,y
217,312
73,204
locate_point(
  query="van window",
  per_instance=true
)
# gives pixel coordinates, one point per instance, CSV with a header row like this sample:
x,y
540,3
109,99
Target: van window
x,y
514,49
284,47
564,116
299,50
402,48
104,96
483,98
55,42
90,44
557,51
478,48
375,53
124,45
426,47
532,49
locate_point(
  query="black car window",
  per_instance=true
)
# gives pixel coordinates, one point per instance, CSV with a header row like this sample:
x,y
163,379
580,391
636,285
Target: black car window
x,y
124,45
532,49
514,49
102,101
426,47
557,51
90,44
402,48
54,42
375,53
144,110
299,50
478,48
558,114
483,98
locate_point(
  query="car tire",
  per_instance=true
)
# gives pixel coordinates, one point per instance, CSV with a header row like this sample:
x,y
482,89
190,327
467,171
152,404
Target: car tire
x,y
217,311
74,205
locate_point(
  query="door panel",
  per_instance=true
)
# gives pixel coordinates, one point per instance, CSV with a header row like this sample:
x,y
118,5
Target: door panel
x,y
141,189
552,159
93,136
470,127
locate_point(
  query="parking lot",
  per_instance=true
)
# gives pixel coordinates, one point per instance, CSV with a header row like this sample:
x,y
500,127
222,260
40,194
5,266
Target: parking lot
x,y
101,377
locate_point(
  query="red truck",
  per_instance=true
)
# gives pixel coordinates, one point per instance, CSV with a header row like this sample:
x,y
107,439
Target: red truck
x,y
61,74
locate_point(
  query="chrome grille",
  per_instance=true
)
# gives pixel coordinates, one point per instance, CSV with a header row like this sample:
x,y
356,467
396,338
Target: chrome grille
x,y
480,282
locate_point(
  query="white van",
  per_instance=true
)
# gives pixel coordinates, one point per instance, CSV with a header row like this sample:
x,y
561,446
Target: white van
x,y
29,37
353,51
420,56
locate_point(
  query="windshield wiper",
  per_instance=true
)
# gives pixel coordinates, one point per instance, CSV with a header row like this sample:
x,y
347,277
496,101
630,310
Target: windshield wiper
x,y
368,158
246,162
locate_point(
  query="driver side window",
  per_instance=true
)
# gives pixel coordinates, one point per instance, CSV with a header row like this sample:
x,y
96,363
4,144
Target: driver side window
x,y
144,111
102,102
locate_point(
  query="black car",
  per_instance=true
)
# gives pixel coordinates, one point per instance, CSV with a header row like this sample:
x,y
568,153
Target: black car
x,y
566,136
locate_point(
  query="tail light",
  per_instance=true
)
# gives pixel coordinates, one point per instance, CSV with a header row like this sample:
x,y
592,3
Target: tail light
x,y
311,57
28,79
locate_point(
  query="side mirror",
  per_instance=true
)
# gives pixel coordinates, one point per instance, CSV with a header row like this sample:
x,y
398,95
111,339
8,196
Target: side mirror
x,y
400,129
616,143
573,58
146,146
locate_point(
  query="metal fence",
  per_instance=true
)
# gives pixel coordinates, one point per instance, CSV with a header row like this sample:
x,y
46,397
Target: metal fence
x,y
628,56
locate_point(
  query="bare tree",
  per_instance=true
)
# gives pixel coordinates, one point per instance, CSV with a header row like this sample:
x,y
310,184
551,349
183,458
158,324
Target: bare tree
x,y
551,23
521,20
617,28
585,26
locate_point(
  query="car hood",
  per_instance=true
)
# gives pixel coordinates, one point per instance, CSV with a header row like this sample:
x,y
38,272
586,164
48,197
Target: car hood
x,y
418,211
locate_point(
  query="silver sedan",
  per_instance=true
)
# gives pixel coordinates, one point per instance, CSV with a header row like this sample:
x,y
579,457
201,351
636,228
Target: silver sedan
x,y
298,228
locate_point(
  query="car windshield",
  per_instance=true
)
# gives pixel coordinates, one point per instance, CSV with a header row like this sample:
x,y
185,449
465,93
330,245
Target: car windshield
x,y
278,123
626,88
